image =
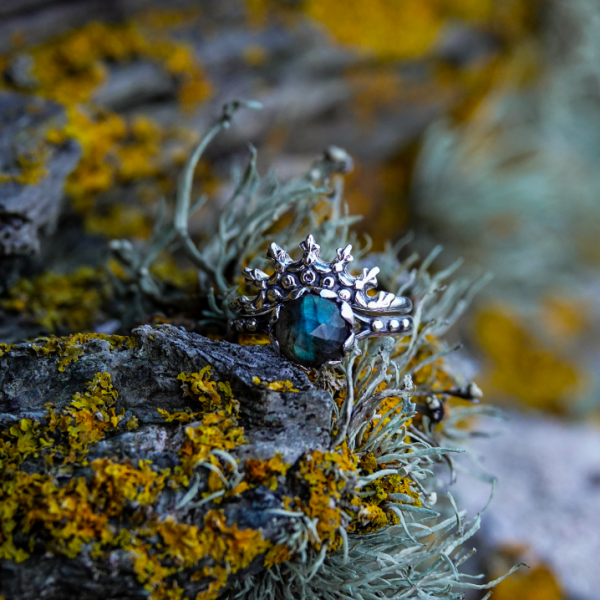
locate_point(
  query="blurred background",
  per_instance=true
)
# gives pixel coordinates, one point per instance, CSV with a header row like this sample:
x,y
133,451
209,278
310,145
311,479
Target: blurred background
x,y
474,124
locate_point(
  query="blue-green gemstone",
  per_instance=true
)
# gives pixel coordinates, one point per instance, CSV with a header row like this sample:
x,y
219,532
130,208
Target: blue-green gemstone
x,y
311,331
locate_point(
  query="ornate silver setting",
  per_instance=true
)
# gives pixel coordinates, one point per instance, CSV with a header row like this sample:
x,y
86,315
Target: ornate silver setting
x,y
369,316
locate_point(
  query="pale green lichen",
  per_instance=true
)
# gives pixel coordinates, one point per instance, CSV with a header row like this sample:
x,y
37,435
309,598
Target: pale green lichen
x,y
372,495
363,522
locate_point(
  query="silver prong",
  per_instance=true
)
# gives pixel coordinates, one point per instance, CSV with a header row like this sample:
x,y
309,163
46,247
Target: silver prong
x,y
349,343
271,332
328,294
347,313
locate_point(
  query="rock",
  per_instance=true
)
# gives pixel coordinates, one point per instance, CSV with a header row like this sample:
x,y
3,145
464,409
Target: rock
x,y
144,372
547,499
146,378
32,171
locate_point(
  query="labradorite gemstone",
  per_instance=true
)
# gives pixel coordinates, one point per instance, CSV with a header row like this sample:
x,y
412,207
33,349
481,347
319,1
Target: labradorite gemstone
x,y
311,331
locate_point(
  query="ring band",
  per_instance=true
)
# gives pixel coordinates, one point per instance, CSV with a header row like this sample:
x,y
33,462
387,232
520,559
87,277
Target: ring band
x,y
315,312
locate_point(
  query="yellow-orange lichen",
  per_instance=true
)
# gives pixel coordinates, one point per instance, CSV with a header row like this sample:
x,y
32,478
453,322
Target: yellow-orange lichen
x,y
213,427
113,505
266,472
277,386
402,30
537,584
253,340
85,421
326,474
522,364
211,394
31,168
72,301
71,348
70,69
37,499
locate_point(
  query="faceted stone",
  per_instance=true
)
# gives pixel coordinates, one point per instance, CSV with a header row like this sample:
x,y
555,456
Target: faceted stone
x,y
311,331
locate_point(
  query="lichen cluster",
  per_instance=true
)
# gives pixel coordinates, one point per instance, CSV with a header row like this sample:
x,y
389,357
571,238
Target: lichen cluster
x,y
55,499
106,503
70,69
70,348
70,302
358,518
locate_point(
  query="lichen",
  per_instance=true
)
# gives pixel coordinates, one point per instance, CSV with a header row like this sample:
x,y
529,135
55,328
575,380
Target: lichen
x,y
523,365
70,69
60,301
538,584
31,169
371,493
71,348
277,386
109,506
354,519
402,30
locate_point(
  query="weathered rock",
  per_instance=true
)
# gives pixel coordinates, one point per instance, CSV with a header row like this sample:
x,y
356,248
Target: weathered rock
x,y
145,377
547,497
32,171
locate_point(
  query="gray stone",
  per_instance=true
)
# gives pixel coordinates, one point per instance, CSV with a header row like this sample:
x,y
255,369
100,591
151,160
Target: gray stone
x,y
26,208
547,498
145,377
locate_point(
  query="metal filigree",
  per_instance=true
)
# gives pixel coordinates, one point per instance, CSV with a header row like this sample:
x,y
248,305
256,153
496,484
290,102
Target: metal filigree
x,y
378,315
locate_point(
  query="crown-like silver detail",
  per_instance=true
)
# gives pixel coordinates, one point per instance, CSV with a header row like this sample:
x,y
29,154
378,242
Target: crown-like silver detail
x,y
381,314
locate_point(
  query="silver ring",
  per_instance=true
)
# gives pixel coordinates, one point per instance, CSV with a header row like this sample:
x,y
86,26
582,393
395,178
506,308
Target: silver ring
x,y
315,312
